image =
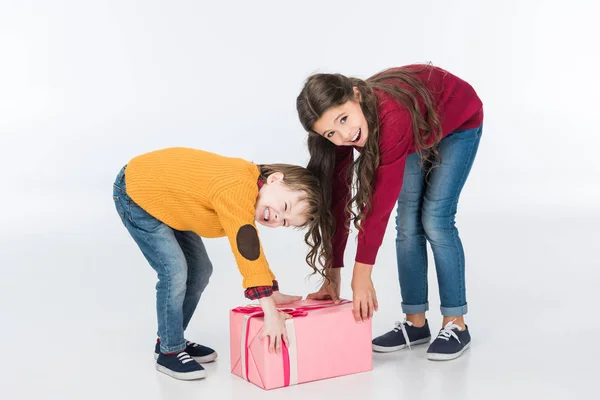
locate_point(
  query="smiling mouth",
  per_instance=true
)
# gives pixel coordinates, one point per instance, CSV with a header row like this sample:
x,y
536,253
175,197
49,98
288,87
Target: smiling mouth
x,y
356,137
266,214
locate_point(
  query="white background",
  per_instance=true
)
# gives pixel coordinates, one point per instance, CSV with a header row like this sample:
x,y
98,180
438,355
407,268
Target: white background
x,y
85,86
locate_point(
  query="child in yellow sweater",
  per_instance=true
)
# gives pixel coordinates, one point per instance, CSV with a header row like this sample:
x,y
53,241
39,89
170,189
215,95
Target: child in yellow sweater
x,y
168,199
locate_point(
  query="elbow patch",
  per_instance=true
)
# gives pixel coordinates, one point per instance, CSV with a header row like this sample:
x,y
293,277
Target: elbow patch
x,y
247,242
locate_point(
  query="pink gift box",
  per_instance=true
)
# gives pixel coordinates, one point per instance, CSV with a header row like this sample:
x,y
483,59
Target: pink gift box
x,y
324,342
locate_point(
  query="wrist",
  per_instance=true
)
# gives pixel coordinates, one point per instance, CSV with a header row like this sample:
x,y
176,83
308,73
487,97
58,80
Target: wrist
x,y
362,270
268,305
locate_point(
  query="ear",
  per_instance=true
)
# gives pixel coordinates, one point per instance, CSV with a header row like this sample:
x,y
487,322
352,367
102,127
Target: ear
x,y
357,95
275,177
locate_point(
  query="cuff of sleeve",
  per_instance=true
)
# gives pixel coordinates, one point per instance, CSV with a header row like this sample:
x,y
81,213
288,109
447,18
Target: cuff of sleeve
x,y
258,292
338,261
366,254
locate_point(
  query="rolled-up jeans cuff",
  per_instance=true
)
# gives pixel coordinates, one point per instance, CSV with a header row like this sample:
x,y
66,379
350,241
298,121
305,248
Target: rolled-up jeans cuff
x,y
172,349
454,311
415,308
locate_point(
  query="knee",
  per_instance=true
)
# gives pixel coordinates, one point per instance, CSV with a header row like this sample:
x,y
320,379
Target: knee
x,y
206,273
202,277
408,225
437,227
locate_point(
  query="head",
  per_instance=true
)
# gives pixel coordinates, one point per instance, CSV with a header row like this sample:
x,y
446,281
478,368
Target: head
x,y
337,110
291,196
287,197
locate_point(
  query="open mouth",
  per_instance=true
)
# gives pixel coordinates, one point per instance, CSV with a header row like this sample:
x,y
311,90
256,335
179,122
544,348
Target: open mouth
x,y
266,214
356,137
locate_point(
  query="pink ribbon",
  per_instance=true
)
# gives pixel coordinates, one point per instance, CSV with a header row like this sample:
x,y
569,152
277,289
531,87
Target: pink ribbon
x,y
253,311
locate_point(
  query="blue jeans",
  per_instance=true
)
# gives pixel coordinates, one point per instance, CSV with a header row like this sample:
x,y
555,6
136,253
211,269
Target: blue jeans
x,y
180,261
426,210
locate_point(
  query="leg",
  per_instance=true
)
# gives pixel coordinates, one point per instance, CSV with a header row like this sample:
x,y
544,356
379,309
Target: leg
x,y
411,252
411,247
160,248
443,189
198,273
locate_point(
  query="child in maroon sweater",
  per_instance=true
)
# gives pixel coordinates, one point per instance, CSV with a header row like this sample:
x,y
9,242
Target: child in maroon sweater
x,y
417,129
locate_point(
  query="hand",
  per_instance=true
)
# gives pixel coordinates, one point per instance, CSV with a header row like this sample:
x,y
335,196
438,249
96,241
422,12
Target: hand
x,y
274,325
330,290
280,298
363,292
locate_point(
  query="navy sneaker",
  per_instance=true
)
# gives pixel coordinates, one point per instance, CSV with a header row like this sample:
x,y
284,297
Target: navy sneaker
x,y
180,366
450,343
404,334
201,354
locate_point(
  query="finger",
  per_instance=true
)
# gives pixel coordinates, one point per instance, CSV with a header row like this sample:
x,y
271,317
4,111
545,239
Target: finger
x,y
261,335
272,343
356,311
376,303
334,296
317,296
364,308
370,307
286,340
277,344
296,298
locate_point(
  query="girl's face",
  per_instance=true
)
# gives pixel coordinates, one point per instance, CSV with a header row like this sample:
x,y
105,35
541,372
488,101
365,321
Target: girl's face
x,y
344,125
277,205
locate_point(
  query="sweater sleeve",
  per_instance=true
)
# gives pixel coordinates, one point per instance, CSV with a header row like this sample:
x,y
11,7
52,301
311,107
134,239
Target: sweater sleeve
x,y
236,212
395,143
341,191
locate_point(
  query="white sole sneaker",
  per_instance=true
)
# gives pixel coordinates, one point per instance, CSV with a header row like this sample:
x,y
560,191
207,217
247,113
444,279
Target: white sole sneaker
x,y
184,376
447,357
383,349
202,360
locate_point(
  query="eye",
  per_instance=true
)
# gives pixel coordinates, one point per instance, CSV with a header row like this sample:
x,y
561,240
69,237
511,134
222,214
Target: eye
x,y
285,208
330,135
343,120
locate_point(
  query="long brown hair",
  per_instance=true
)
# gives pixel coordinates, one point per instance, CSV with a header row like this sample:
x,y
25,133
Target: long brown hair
x,y
298,178
323,91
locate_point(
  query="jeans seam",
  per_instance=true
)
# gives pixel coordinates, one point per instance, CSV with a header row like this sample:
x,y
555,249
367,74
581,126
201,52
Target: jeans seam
x,y
462,256
168,279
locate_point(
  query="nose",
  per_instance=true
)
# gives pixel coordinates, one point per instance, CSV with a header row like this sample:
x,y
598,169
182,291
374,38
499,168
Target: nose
x,y
278,218
348,136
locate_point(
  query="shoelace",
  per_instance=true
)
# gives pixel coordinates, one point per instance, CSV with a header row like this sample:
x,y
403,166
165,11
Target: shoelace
x,y
184,357
188,343
400,326
448,331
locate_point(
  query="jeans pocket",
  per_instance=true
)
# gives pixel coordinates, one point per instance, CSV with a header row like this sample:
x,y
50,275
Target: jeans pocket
x,y
142,220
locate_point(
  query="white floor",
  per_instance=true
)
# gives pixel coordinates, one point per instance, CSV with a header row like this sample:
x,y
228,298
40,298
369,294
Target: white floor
x,y
78,321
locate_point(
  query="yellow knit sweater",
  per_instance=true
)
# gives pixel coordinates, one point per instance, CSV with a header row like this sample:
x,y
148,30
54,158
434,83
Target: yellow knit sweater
x,y
209,194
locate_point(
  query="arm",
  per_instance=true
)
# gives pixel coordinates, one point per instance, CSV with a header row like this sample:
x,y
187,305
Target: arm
x,y
340,195
395,144
236,213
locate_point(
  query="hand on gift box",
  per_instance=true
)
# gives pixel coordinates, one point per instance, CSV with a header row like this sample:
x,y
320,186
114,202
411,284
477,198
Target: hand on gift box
x,y
330,290
363,292
280,298
274,324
